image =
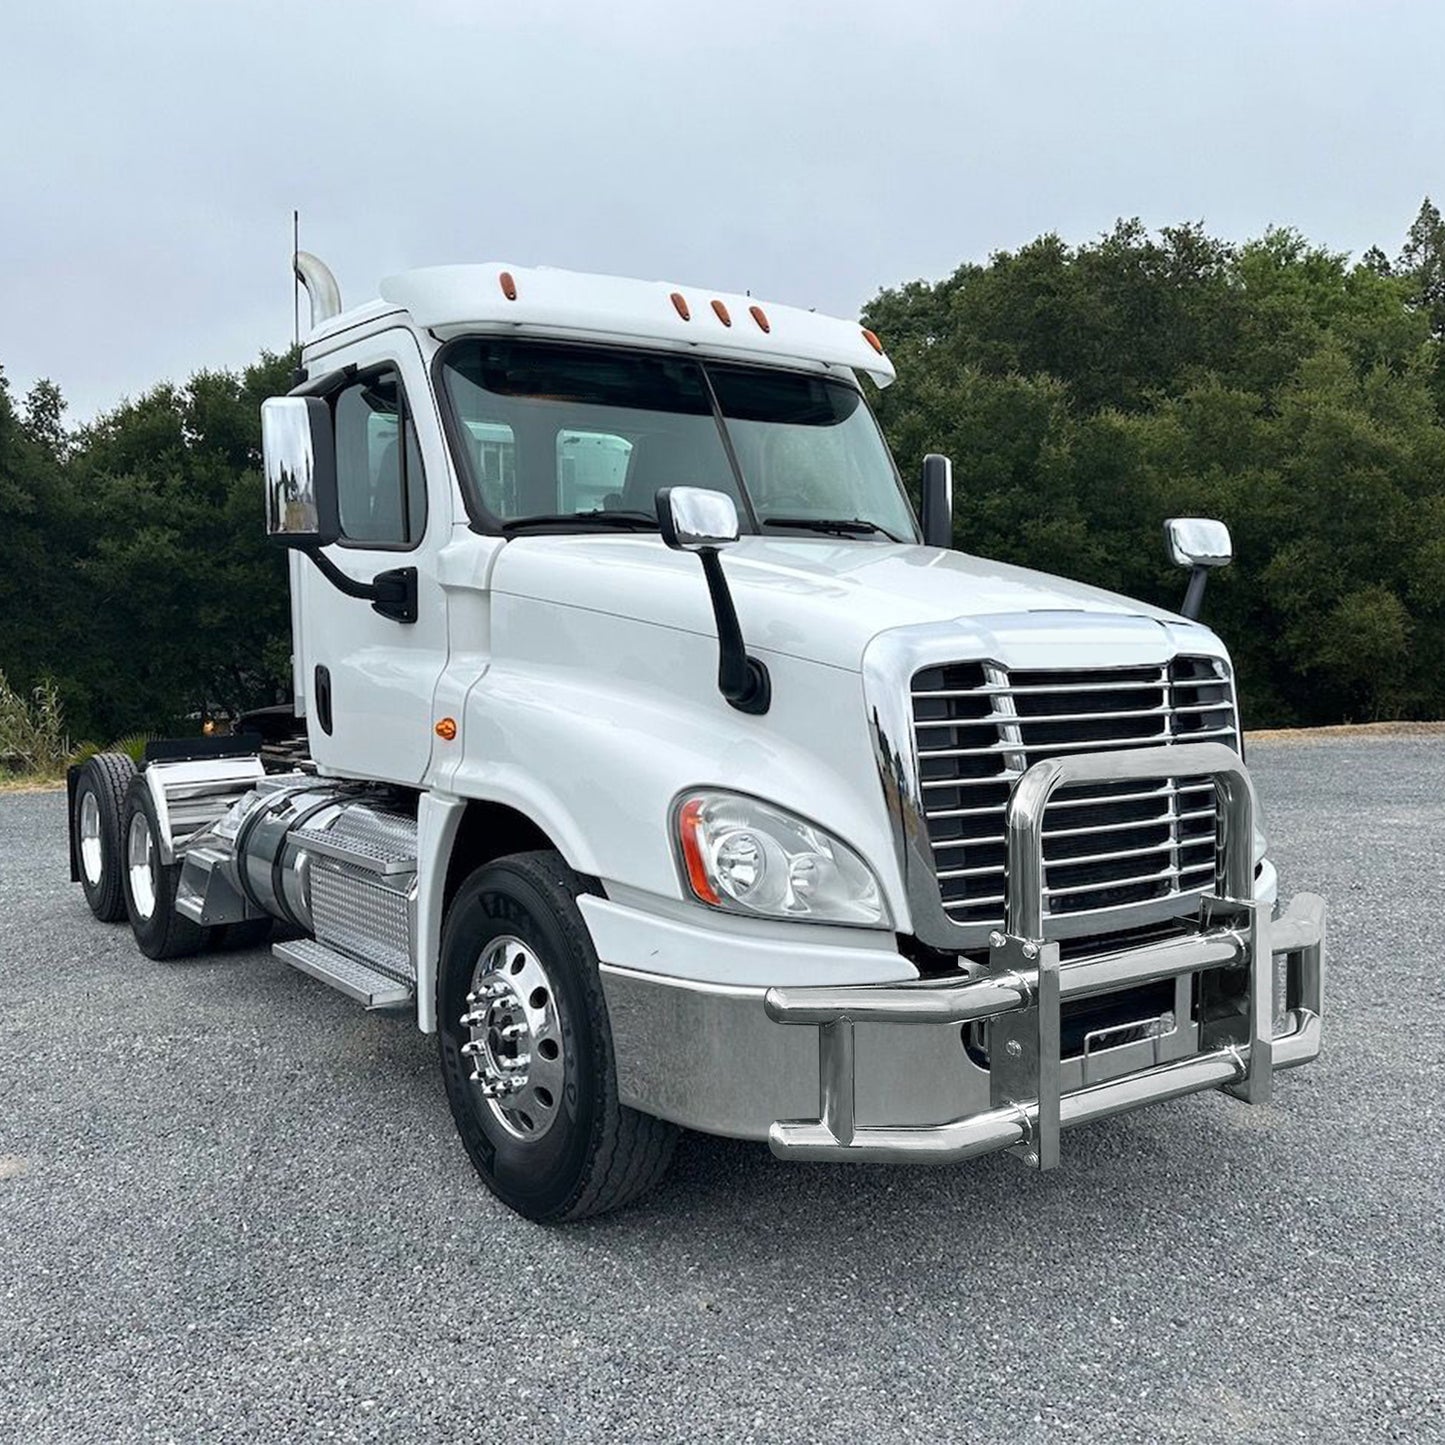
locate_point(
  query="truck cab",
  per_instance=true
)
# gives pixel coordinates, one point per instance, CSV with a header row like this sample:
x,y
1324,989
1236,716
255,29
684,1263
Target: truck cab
x,y
656,756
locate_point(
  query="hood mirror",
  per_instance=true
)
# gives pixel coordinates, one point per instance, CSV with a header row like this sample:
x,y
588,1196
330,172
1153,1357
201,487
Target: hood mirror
x,y
695,519
1201,544
692,518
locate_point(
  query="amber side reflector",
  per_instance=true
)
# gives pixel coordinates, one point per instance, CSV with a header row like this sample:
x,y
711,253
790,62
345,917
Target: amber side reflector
x,y
679,304
509,286
688,823
873,341
756,312
722,313
447,729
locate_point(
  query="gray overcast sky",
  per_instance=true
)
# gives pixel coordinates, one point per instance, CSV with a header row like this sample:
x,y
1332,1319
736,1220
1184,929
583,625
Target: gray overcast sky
x,y
812,152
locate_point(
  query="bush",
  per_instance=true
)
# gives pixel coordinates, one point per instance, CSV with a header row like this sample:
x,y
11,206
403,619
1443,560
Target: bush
x,y
32,732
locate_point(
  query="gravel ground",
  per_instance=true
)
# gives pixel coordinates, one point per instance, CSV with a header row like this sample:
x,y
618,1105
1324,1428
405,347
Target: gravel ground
x,y
232,1207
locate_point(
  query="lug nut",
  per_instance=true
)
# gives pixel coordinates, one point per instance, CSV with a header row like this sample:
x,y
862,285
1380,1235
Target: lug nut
x,y
514,1031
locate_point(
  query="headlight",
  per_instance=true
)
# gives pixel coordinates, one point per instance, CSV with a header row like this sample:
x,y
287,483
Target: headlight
x,y
747,857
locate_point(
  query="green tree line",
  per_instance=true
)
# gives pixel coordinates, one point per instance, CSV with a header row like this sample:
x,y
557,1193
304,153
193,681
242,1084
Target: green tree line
x,y
1085,393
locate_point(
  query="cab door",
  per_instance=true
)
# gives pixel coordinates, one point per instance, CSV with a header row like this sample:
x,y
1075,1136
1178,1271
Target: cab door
x,y
367,677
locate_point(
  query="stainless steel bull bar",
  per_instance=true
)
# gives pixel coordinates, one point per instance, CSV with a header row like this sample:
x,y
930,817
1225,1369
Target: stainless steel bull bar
x,y
1022,994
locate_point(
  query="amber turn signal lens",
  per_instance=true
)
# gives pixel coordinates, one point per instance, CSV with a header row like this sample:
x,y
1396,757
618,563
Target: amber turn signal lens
x,y
447,729
689,825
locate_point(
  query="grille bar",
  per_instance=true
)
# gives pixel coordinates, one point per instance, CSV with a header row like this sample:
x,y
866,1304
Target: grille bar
x,y
1057,747
1107,847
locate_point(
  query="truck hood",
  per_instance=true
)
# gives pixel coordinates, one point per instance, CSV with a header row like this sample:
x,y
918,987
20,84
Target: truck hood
x,y
815,599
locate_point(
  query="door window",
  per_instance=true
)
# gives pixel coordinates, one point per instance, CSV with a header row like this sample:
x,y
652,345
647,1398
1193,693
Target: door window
x,y
380,486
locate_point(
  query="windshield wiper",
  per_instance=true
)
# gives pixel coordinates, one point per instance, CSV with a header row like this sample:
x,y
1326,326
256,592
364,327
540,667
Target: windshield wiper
x,y
837,526
621,521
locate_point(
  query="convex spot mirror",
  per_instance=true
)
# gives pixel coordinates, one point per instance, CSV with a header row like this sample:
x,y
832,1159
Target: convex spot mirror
x,y
300,456
1198,542
694,518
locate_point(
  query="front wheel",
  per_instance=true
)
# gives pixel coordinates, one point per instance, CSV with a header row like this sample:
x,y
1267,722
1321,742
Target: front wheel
x,y
526,1050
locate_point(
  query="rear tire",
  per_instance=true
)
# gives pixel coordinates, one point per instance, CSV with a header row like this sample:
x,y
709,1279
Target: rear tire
x,y
518,974
98,808
150,885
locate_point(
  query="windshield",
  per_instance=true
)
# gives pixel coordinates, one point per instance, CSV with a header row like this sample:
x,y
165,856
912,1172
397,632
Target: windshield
x,y
588,435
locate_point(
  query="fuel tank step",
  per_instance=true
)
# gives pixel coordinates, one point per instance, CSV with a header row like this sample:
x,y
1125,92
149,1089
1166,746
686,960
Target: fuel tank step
x,y
375,855
368,986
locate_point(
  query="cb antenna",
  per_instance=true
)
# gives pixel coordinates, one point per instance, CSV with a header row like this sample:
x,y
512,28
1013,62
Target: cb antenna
x,y
296,276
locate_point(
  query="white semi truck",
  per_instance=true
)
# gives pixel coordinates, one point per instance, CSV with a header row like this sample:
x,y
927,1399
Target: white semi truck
x,y
651,753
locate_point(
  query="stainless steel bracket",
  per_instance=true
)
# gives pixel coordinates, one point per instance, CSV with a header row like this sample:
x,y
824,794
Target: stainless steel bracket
x,y
1024,1048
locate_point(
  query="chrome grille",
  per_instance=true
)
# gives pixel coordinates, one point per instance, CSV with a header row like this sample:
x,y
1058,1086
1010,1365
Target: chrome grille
x,y
978,728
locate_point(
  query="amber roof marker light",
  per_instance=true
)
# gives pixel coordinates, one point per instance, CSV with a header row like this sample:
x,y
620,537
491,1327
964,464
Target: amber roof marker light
x,y
509,286
721,313
679,304
873,341
758,315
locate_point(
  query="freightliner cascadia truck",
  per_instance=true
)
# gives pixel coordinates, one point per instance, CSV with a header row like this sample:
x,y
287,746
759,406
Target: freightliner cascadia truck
x,y
652,752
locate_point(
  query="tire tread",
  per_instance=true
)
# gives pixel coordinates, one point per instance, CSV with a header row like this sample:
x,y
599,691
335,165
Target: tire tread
x,y
110,775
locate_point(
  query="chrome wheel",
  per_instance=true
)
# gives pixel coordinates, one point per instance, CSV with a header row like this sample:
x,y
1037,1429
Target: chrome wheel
x,y
515,1047
91,860
141,865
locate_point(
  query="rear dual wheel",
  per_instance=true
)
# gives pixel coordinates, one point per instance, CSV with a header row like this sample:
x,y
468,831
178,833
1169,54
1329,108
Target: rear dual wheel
x,y
98,808
150,883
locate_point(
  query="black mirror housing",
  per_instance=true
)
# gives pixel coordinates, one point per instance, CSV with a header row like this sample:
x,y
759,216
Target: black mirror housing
x,y
937,501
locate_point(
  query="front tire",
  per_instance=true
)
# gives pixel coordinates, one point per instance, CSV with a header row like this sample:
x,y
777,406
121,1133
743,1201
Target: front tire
x,y
98,809
150,884
526,1050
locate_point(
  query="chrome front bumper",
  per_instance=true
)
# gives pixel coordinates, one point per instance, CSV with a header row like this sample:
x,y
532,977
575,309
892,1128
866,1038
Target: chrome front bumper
x,y
880,1070
1021,995
1022,1007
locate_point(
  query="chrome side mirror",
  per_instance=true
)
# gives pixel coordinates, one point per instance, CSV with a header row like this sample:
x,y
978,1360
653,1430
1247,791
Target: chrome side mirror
x,y
692,518
695,519
1201,544
300,453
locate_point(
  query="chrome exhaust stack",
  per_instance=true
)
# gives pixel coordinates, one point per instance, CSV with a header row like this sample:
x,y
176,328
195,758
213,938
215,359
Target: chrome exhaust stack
x,y
321,286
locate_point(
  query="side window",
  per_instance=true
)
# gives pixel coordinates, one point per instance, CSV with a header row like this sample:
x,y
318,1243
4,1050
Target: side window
x,y
382,492
591,467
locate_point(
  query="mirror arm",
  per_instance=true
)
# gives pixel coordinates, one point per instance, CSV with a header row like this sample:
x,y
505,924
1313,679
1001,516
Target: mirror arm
x,y
1194,593
741,679
391,593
